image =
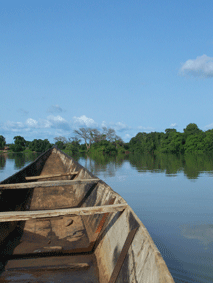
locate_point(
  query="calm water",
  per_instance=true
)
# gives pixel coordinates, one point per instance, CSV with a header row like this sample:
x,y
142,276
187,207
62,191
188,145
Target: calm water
x,y
171,195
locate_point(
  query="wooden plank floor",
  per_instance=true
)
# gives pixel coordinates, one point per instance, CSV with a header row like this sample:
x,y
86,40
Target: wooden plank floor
x,y
52,269
49,235
57,197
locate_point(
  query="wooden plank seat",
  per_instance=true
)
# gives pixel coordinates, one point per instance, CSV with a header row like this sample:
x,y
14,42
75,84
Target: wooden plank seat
x,y
50,176
50,267
27,215
30,185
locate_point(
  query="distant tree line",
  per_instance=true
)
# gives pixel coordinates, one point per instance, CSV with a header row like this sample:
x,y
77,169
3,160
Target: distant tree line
x,y
85,140
192,140
106,141
38,145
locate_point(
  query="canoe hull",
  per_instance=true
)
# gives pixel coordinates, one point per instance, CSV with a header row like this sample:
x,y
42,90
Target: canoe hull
x,y
109,247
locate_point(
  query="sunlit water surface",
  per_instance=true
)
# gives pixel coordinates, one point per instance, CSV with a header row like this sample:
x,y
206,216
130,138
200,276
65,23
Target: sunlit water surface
x,y
175,207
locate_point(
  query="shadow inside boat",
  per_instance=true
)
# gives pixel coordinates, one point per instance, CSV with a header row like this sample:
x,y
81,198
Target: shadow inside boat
x,y
11,232
25,245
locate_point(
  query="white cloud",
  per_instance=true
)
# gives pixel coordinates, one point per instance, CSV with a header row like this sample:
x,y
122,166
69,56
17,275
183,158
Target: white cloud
x,y
56,125
84,121
58,122
44,124
31,123
55,109
51,122
202,66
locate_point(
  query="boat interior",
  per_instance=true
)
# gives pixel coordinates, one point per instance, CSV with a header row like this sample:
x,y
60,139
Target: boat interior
x,y
59,223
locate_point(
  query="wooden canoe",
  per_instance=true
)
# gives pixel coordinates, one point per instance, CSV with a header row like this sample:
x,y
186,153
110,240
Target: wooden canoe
x,y
59,223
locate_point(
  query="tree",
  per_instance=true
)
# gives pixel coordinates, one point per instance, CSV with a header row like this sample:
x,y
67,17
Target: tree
x,y
2,142
109,134
39,145
73,145
172,142
191,129
90,135
19,144
146,143
60,142
194,143
177,143
95,135
208,141
85,134
169,131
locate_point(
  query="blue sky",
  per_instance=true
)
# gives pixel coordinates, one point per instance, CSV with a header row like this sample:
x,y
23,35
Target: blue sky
x,y
135,66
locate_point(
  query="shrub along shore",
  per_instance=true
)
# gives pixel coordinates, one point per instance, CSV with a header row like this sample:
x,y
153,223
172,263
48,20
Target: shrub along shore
x,y
192,140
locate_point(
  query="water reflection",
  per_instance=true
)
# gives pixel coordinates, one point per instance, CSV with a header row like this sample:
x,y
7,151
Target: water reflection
x,y
191,165
22,159
2,161
203,233
108,165
171,165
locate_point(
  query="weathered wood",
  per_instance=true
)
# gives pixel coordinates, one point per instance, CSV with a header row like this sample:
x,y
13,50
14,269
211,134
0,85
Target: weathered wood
x,y
39,264
52,267
101,224
50,176
46,184
64,268
122,256
27,215
113,260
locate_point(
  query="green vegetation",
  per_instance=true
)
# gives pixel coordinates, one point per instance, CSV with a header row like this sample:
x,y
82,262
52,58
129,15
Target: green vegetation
x,y
170,151
191,164
2,161
106,142
22,159
2,142
39,145
19,144
192,140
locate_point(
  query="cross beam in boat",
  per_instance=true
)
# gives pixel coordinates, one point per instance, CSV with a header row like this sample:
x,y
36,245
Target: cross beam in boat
x,y
41,264
30,185
50,176
28,215
74,266
122,256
